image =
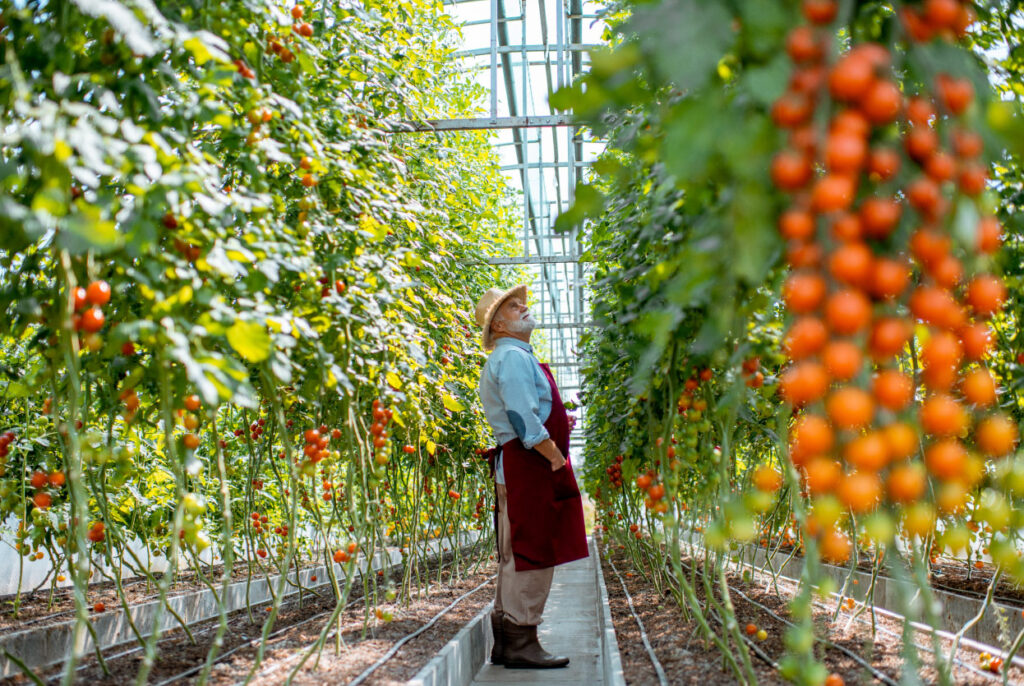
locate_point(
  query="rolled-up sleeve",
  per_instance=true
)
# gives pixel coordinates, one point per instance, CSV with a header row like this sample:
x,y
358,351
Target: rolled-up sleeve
x,y
518,389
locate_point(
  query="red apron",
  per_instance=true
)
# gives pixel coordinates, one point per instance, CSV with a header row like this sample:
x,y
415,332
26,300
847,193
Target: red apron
x,y
545,508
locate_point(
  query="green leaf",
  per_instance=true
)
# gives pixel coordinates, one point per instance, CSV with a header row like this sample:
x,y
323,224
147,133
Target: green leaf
x,y
250,340
588,202
754,238
767,83
124,22
685,38
451,403
82,232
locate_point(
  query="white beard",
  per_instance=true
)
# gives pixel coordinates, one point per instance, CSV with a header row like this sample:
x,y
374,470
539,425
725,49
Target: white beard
x,y
524,325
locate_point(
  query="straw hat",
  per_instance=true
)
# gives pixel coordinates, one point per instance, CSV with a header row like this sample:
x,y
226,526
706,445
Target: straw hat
x,y
488,306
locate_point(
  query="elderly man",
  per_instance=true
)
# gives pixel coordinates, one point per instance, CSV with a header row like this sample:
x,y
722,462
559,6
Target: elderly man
x,y
539,513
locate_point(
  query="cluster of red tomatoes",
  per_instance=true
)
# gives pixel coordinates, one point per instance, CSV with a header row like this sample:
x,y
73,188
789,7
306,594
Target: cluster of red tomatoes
x,y
614,472
6,438
378,430
88,316
41,481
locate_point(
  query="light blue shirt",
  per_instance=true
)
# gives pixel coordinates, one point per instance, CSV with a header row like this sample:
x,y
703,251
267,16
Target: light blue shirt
x,y
516,396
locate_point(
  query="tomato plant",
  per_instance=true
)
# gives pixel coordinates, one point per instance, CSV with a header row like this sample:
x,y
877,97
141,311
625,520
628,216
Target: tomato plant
x,y
807,184
233,284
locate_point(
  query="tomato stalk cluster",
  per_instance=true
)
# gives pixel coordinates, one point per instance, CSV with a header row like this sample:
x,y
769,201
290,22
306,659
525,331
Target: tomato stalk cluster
x,y
896,408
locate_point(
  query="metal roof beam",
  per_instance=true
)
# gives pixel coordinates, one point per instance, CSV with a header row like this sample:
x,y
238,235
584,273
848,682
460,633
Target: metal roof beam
x,y
489,123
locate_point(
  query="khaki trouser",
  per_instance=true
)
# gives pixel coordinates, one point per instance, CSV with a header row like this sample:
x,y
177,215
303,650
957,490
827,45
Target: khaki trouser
x,y
520,595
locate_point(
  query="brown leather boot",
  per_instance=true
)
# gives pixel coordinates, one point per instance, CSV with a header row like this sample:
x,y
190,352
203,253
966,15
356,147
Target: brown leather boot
x,y
523,651
498,651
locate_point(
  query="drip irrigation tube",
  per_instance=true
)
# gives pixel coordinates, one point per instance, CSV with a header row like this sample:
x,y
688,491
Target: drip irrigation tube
x,y
891,615
248,644
662,678
395,648
884,678
881,676
288,601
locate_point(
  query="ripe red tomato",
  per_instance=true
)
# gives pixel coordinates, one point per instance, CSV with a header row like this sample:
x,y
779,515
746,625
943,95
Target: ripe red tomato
x,y
98,293
92,320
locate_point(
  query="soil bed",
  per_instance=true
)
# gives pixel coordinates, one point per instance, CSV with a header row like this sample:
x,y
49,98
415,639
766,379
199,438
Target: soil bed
x,y
954,576
687,660
36,609
297,627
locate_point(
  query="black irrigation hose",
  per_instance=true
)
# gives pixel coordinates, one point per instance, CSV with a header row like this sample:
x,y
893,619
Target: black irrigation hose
x,y
248,644
395,648
222,656
881,676
758,652
254,641
165,639
764,657
966,665
56,615
1005,600
662,678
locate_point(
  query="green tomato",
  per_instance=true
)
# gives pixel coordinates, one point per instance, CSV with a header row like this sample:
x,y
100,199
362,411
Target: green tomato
x,y
194,505
759,501
799,639
201,541
994,510
956,538
880,527
191,527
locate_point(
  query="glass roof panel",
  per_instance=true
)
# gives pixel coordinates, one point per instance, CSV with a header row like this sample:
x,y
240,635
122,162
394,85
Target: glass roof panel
x,y
520,51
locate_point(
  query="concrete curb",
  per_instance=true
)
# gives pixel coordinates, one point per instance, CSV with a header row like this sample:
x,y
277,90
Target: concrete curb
x,y
462,657
50,645
611,660
458,663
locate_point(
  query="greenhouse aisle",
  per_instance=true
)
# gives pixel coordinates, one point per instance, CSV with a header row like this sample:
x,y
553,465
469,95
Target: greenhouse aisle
x,y
570,628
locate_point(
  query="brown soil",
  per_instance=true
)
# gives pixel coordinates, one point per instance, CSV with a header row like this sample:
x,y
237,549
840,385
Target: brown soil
x,y
297,627
39,609
687,660
357,655
676,641
956,576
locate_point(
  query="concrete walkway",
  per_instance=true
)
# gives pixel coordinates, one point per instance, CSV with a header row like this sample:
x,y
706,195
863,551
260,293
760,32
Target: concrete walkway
x,y
570,627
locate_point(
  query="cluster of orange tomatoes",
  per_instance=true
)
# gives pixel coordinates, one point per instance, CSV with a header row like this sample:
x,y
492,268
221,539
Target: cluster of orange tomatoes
x,y
302,28
317,441
258,521
853,293
344,555
752,372
655,492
